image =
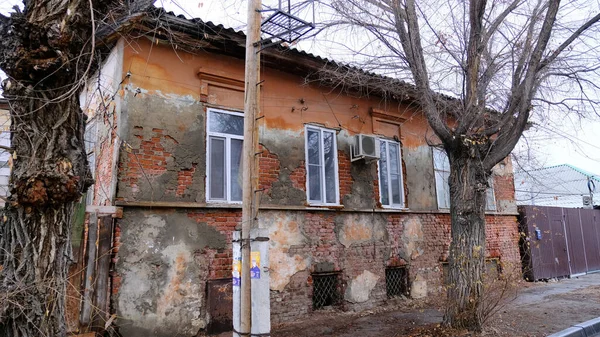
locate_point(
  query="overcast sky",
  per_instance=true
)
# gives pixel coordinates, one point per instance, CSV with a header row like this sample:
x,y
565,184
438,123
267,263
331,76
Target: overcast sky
x,y
572,142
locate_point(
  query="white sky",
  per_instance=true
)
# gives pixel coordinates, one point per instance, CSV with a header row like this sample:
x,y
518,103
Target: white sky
x,y
562,142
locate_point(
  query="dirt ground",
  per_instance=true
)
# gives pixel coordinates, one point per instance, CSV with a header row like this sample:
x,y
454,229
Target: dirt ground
x,y
538,309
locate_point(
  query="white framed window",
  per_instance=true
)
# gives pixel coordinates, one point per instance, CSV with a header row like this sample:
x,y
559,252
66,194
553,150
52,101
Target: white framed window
x,y
441,167
322,186
391,185
225,137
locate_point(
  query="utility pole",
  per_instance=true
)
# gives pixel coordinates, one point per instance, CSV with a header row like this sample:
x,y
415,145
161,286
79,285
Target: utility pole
x,y
249,157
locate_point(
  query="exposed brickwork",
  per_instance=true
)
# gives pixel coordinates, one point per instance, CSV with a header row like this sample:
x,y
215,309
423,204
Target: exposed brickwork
x,y
269,168
504,187
298,176
296,300
345,177
376,190
149,159
184,179
225,221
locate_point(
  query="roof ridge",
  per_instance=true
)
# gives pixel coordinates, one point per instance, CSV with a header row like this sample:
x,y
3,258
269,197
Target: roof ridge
x,y
570,166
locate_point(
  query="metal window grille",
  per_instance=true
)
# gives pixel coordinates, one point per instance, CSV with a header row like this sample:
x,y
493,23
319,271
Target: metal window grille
x,y
326,290
396,281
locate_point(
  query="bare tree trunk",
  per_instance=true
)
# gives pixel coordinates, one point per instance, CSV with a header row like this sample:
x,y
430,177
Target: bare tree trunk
x,y
47,51
50,171
468,183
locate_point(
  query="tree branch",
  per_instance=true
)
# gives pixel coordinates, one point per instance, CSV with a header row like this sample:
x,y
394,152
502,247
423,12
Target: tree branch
x,y
568,41
511,132
411,44
7,148
474,50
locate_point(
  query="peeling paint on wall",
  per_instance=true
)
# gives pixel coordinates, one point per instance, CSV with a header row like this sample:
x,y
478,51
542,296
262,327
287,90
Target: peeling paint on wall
x,y
285,231
360,287
360,228
413,237
162,280
164,140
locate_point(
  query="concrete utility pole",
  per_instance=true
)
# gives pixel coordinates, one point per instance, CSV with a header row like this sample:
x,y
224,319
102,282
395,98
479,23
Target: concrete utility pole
x,y
249,157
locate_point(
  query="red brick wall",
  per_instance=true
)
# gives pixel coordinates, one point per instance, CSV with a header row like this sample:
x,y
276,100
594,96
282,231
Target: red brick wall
x,y
149,159
345,176
184,180
323,246
298,176
269,167
296,300
504,187
224,221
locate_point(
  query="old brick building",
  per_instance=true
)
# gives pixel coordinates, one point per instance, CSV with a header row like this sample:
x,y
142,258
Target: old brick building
x,y
165,136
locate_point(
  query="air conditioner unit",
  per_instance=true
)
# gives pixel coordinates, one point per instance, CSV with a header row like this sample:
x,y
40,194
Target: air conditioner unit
x,y
364,147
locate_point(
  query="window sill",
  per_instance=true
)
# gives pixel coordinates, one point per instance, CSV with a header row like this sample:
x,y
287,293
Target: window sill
x,y
333,206
395,208
337,208
224,204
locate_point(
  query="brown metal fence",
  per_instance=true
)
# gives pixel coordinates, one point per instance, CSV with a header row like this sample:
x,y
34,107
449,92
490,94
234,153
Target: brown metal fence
x,y
559,242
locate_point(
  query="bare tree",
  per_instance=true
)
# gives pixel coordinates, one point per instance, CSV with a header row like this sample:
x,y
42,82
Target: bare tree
x,y
501,62
47,50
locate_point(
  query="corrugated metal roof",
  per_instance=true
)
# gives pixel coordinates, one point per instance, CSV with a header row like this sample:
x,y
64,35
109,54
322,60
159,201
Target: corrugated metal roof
x,y
210,30
561,185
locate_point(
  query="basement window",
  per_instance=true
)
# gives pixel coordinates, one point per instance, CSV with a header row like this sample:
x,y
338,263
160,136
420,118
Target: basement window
x,y
327,290
396,281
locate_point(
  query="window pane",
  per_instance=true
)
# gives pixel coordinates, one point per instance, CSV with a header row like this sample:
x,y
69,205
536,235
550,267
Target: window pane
x,y
236,170
396,195
440,160
383,175
490,203
443,190
217,168
314,183
226,123
330,157
313,147
394,164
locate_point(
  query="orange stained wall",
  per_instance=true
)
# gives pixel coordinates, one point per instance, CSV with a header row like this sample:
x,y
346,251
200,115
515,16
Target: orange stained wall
x,y
286,100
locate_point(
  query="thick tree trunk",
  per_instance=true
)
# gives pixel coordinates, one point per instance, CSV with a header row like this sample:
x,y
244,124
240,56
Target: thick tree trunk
x,y
50,171
468,183
47,51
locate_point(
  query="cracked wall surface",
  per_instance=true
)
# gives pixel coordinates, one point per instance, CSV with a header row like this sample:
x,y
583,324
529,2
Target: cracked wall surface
x,y
168,253
163,273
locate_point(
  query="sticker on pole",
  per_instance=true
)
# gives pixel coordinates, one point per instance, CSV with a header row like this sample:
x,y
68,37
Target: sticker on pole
x,y
255,270
236,271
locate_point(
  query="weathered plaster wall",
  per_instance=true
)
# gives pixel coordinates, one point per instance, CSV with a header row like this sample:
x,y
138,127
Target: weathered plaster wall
x,y
360,247
420,178
504,187
163,159
168,99
101,102
165,261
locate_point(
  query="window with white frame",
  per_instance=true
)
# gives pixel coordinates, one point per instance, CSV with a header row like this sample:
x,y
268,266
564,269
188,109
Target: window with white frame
x,y
224,156
391,189
441,166
321,166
